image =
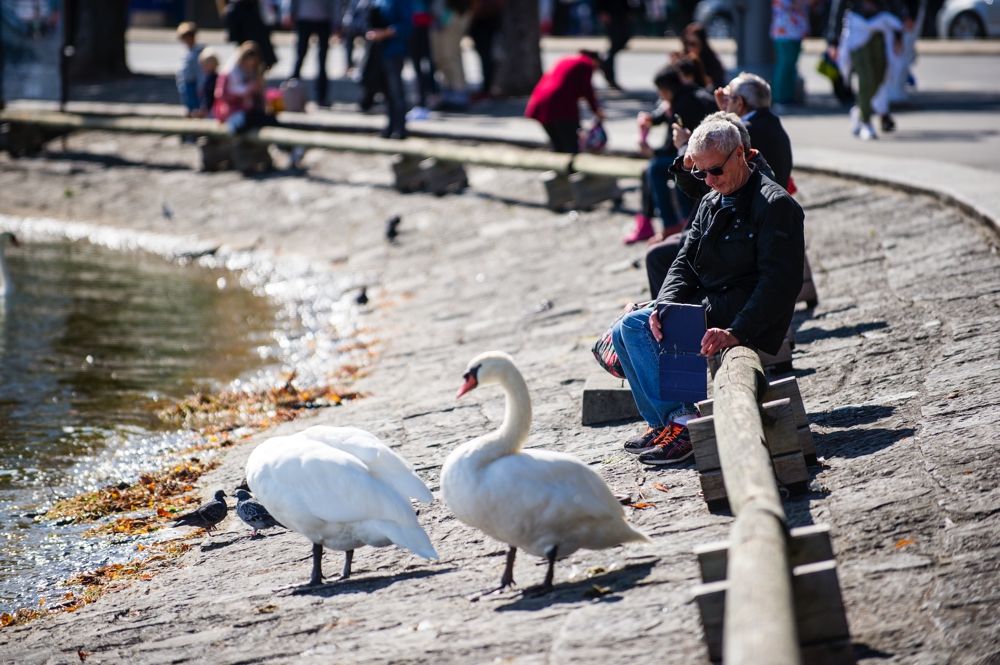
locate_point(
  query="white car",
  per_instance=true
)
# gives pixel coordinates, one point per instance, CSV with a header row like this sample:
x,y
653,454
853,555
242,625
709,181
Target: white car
x,y
969,19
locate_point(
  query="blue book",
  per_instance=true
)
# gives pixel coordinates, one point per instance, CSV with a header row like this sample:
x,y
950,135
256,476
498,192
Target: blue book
x,y
682,367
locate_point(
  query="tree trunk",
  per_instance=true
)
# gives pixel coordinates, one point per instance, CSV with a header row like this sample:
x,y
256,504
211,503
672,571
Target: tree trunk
x,y
519,61
98,37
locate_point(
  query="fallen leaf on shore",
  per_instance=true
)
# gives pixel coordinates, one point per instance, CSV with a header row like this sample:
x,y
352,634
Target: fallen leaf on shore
x,y
83,654
265,609
596,591
905,542
161,487
660,487
596,570
644,504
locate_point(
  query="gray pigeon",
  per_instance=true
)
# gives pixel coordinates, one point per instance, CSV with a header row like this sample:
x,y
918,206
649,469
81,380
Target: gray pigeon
x,y
253,512
207,515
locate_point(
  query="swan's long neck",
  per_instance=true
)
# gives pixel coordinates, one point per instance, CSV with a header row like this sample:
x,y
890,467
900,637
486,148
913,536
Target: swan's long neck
x,y
508,439
6,286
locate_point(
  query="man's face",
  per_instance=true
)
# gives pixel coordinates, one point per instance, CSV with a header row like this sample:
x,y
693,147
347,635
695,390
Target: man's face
x,y
734,103
733,169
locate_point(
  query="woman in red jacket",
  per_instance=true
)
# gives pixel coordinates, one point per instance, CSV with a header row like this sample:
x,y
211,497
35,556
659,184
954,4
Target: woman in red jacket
x,y
555,100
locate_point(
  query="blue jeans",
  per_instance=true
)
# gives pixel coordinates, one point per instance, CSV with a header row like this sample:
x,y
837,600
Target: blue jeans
x,y
664,197
189,94
639,353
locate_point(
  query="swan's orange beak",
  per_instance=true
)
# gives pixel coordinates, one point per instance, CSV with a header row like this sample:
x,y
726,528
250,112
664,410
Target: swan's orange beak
x,y
470,383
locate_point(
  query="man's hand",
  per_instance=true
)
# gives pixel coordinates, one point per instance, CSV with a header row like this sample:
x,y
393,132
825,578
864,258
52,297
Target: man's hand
x,y
681,136
654,326
645,150
380,34
600,114
645,120
715,340
832,51
722,98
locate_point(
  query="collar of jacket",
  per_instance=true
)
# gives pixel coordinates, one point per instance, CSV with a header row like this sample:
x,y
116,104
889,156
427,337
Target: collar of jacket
x,y
744,195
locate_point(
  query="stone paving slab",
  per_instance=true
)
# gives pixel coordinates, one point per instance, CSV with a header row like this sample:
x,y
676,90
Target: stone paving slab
x,y
897,367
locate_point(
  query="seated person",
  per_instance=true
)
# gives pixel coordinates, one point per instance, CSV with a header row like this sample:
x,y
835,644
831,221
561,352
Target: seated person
x,y
681,101
749,96
660,257
239,91
742,260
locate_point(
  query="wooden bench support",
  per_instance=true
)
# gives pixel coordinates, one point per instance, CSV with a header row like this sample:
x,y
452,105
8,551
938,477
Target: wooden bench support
x,y
406,169
589,190
781,436
820,618
443,176
21,140
808,292
558,191
607,399
781,389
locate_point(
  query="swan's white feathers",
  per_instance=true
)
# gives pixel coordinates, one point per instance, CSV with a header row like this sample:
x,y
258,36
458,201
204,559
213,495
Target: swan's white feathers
x,y
529,499
386,465
549,498
332,497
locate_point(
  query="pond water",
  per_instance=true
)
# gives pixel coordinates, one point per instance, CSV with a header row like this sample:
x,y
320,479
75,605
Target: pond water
x,y
91,342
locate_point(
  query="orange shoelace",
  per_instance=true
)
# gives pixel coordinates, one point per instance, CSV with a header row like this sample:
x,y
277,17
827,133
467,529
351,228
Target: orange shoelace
x,y
670,434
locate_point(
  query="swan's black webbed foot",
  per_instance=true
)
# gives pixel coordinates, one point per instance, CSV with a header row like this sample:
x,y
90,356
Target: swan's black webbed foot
x,y
506,581
546,586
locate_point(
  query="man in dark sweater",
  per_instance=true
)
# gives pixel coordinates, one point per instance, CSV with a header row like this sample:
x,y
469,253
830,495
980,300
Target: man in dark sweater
x,y
742,261
749,96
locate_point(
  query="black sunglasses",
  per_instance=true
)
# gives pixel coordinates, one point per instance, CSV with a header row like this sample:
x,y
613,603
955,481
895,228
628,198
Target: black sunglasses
x,y
715,170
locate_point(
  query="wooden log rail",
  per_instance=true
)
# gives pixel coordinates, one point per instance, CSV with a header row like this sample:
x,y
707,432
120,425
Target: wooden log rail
x,y
480,155
760,624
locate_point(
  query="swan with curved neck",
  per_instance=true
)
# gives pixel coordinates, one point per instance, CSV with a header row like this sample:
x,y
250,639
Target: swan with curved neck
x,y
547,503
6,285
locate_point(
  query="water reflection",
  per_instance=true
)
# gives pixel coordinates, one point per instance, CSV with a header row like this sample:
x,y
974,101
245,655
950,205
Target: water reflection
x,y
90,342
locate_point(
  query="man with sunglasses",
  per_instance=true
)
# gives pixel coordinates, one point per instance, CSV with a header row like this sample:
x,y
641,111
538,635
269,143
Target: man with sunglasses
x,y
742,260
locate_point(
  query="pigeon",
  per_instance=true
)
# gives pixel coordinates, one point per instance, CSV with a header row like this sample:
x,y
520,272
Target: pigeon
x,y
207,515
390,228
362,298
167,211
253,512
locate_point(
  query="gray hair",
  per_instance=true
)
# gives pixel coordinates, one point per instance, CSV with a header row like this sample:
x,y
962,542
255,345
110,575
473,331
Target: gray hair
x,y
735,120
754,90
720,135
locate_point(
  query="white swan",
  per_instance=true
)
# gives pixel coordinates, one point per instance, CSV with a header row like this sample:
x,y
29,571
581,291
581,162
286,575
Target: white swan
x,y
547,503
6,285
341,488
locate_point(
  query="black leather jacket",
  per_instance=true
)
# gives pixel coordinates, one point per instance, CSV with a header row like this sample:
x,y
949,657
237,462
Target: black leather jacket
x,y
743,263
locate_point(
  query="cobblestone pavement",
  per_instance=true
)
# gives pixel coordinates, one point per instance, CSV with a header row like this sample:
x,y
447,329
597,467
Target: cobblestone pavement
x,y
898,367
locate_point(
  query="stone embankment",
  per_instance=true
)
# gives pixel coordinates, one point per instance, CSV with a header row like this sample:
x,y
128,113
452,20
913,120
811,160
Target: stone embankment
x,y
898,366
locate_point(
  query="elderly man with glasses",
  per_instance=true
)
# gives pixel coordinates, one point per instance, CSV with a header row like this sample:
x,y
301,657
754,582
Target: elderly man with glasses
x,y
742,260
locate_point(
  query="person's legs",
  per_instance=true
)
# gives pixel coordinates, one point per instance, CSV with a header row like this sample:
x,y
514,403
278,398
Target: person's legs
x,y
302,35
644,219
665,196
563,134
869,63
395,97
423,66
659,258
785,70
639,354
482,31
322,31
619,32
189,95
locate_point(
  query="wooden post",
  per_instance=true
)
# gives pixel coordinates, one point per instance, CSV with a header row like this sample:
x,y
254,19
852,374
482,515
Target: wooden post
x,y
759,624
